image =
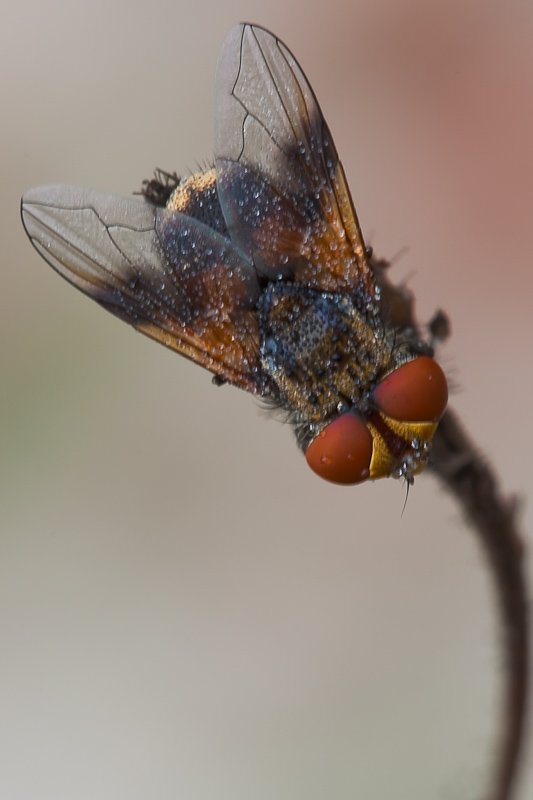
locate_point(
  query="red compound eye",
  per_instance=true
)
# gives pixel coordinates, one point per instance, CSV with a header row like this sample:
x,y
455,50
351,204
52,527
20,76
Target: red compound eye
x,y
415,392
343,451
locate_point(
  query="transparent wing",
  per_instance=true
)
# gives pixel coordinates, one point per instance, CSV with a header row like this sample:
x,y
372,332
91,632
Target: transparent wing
x,y
281,185
171,277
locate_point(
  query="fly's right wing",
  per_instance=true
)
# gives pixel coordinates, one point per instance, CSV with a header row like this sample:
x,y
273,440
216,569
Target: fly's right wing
x,y
169,276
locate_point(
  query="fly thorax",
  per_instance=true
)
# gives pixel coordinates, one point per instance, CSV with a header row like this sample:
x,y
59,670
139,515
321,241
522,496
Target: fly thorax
x,y
320,350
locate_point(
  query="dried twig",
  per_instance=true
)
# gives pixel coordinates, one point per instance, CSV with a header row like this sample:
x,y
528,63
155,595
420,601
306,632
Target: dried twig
x,y
472,481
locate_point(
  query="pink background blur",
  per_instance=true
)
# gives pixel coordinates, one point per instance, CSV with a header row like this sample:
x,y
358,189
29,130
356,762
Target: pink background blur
x,y
186,611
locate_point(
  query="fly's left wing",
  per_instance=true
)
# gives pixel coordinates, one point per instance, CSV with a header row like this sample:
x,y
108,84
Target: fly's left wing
x,y
281,184
169,276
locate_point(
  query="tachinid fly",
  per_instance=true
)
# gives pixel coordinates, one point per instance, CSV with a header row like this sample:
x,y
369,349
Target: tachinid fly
x,y
257,270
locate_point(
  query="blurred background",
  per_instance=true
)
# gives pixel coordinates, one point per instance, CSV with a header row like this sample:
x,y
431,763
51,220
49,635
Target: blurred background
x,y
185,609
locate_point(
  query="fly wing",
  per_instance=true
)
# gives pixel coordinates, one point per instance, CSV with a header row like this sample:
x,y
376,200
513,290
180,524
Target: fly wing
x,y
281,185
171,277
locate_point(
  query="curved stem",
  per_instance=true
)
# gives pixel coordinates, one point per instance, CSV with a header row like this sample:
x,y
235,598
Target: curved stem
x,y
474,484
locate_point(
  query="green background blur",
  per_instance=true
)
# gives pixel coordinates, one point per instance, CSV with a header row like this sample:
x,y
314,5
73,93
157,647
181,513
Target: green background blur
x,y
186,611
